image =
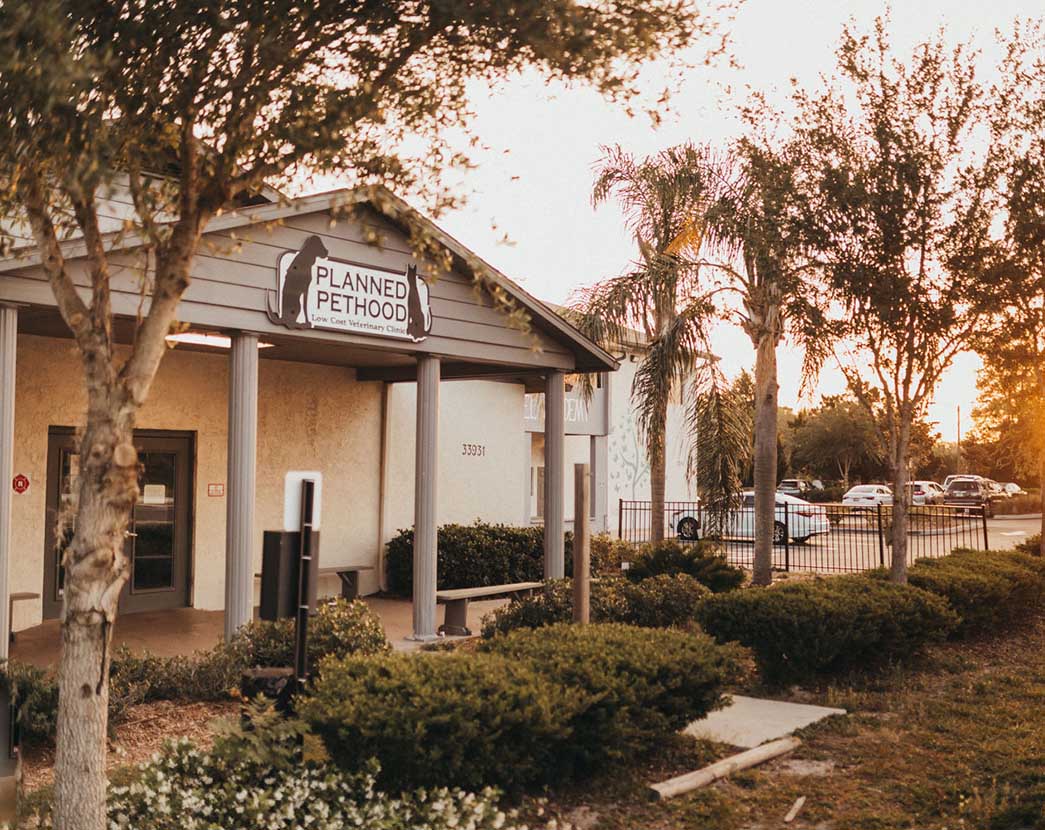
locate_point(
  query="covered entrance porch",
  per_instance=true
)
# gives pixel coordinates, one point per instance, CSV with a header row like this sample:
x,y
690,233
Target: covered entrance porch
x,y
239,333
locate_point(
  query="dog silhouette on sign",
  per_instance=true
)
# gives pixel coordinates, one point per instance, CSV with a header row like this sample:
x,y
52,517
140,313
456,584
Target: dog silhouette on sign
x,y
417,321
294,297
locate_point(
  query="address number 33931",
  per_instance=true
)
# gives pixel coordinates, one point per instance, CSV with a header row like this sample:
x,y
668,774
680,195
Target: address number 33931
x,y
475,450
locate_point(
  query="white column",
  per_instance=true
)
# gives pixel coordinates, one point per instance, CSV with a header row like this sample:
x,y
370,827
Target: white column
x,y
425,474
239,494
599,461
554,460
8,349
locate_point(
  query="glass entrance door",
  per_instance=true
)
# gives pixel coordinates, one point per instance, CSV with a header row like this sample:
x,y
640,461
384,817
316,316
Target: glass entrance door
x,y
158,541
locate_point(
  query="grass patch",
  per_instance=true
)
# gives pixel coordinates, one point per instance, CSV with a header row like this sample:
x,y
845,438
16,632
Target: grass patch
x,y
953,741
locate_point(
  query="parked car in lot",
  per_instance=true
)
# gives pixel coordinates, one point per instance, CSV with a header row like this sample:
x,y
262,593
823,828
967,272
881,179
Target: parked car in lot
x,y
998,491
795,518
947,481
794,486
868,495
1013,489
924,492
970,492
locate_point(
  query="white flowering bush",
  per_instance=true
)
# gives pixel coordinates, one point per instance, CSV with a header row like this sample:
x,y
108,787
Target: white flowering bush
x,y
186,789
269,773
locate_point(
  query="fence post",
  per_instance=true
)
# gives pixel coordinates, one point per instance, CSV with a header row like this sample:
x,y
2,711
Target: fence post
x,y
620,518
983,516
787,538
581,543
881,537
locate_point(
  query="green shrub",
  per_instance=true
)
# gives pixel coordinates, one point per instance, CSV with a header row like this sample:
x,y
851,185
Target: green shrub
x,y
1031,545
640,685
432,719
656,603
340,628
530,708
703,561
608,553
800,630
988,589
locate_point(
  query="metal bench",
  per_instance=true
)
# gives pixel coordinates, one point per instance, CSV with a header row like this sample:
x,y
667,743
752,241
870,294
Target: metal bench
x,y
17,596
455,618
349,575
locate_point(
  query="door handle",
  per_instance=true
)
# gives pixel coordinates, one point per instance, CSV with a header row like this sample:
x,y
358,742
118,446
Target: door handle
x,y
129,533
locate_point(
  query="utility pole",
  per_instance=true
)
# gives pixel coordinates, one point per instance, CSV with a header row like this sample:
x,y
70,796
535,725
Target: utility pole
x,y
959,467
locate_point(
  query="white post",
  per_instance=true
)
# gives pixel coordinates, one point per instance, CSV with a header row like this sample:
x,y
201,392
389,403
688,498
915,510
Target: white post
x,y
8,350
240,493
425,474
599,461
554,460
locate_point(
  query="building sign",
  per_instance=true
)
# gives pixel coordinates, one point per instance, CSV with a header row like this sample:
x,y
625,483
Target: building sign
x,y
580,416
317,291
20,483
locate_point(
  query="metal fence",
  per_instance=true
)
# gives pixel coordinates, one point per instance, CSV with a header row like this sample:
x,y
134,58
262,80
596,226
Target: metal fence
x,y
816,537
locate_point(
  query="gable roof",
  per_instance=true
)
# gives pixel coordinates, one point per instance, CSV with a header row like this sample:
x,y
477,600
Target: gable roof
x,y
590,356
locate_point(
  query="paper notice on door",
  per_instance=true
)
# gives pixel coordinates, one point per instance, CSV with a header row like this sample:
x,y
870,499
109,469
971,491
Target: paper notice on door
x,y
154,494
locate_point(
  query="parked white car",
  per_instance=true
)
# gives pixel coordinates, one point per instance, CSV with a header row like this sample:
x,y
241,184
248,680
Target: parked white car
x,y
1013,489
793,514
925,492
868,495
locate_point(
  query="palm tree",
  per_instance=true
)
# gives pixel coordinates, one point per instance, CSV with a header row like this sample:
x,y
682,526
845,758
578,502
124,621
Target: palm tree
x,y
751,224
664,199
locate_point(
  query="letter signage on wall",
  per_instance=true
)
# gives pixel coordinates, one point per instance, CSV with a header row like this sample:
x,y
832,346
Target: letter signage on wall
x,y
317,291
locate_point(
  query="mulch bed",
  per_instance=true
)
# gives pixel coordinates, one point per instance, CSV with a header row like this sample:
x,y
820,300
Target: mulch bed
x,y
144,731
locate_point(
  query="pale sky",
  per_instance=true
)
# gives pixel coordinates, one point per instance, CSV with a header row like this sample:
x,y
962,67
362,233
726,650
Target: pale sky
x,y
534,182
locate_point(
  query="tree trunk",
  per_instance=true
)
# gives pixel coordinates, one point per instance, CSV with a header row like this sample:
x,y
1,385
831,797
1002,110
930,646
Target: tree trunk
x,y
95,572
657,475
1041,485
898,523
766,390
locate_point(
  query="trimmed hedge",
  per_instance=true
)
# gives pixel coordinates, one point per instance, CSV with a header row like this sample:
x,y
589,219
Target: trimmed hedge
x,y
988,589
340,628
801,630
703,561
528,709
1031,545
480,554
639,684
658,602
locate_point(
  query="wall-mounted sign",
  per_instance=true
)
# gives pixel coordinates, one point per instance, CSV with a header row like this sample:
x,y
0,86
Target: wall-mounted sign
x,y
580,417
20,483
215,490
317,291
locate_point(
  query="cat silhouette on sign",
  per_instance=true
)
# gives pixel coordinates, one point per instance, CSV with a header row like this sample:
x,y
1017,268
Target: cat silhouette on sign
x,y
294,297
418,322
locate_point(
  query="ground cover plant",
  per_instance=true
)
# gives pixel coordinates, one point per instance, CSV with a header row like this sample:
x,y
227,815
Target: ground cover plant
x,y
528,709
272,773
657,602
802,631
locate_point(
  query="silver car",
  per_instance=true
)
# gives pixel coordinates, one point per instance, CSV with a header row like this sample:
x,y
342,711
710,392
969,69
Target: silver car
x,y
795,518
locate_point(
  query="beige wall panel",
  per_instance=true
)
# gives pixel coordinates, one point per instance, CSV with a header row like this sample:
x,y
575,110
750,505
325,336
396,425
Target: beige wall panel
x,y
310,417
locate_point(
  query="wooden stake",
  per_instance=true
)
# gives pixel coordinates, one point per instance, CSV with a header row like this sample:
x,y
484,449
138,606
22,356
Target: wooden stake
x,y
581,544
720,769
796,808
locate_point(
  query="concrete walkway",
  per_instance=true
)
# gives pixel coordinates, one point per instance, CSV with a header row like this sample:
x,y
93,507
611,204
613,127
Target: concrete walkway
x,y
750,721
185,630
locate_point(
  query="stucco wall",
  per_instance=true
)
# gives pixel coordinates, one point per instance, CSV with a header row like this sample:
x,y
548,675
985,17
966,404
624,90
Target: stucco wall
x,y
310,417
493,486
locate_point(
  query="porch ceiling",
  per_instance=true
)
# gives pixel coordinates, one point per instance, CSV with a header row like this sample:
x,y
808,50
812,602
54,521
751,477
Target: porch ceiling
x,y
371,364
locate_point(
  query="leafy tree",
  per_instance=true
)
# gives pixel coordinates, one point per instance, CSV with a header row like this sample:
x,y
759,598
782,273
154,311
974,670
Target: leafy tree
x,y
837,439
1012,384
663,198
192,106
754,224
894,196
